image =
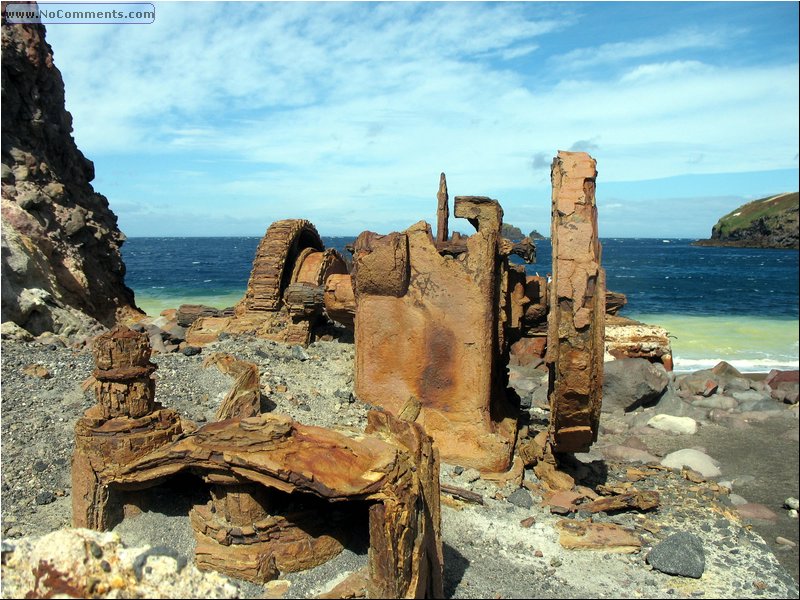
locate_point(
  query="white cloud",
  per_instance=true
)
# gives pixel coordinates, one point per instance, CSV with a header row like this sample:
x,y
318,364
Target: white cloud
x,y
617,52
333,103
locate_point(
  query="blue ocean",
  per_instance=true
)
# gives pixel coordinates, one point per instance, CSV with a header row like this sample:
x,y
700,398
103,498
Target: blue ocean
x,y
734,304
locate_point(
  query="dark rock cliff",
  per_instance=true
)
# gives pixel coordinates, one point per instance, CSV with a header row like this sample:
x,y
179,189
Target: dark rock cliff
x,y
766,223
61,265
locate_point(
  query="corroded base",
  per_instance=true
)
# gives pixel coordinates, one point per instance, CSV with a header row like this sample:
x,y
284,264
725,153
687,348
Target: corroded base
x,y
259,552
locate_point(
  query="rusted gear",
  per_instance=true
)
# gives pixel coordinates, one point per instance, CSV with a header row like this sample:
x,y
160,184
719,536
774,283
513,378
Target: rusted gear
x,y
275,260
315,267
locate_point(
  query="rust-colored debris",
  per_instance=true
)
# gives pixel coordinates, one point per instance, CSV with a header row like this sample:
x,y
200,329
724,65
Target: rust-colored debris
x,y
635,500
577,306
253,465
607,537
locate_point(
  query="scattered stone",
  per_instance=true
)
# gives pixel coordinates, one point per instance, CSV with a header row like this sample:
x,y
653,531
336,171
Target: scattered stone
x,y
748,396
792,503
627,454
45,498
693,459
642,501
528,522
81,563
782,541
753,510
520,497
629,383
37,370
680,554
671,424
192,351
458,470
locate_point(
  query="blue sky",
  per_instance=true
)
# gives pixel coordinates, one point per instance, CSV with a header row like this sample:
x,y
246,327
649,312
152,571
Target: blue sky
x,y
219,118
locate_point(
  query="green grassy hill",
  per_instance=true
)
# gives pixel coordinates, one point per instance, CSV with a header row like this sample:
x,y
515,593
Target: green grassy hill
x,y
766,223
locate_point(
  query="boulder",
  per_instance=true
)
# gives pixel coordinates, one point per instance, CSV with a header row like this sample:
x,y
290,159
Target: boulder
x,y
700,383
629,383
672,424
776,377
694,459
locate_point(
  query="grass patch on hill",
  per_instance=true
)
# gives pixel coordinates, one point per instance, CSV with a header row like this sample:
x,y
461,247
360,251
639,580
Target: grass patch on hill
x,y
746,214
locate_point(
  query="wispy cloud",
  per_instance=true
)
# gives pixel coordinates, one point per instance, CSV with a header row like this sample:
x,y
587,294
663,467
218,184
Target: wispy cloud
x,y
287,108
620,52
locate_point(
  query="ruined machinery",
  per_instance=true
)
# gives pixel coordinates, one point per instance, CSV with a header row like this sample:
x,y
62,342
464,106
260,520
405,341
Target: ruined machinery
x,y
282,494
435,318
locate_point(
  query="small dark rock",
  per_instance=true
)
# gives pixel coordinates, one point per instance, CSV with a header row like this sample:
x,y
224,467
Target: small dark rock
x,y
521,497
191,351
39,466
95,549
105,566
680,554
45,498
305,407
458,470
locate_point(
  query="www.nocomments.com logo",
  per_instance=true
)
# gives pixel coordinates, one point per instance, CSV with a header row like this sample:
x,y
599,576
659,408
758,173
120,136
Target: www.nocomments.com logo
x,y
80,13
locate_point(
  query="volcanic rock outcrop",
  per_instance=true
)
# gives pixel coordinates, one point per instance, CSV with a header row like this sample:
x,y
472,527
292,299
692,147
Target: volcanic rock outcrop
x,y
766,223
61,266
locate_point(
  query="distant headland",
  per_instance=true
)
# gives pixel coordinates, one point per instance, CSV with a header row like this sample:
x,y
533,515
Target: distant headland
x,y
770,222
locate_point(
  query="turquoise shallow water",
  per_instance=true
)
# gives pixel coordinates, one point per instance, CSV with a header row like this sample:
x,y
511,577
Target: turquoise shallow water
x,y
749,343
733,304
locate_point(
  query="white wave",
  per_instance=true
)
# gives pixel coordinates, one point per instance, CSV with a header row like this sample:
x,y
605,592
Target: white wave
x,y
754,365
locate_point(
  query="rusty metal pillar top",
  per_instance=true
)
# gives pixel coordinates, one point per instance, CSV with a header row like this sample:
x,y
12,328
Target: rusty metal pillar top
x,y
442,211
122,353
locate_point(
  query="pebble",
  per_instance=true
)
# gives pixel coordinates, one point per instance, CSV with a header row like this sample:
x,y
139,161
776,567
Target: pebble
x,y
191,351
792,503
785,542
45,498
521,497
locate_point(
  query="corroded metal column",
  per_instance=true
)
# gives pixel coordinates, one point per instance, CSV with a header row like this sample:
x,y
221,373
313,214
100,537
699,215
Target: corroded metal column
x,y
576,322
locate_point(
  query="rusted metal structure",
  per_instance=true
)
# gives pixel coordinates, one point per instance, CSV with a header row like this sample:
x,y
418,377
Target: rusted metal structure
x,y
436,315
576,326
279,490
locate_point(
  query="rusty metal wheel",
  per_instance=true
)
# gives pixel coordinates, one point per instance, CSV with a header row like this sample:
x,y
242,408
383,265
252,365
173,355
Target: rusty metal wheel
x,y
274,264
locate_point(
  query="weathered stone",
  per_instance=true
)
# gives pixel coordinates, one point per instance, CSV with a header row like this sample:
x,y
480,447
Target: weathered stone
x,y
189,313
79,563
575,333
672,424
521,497
753,510
694,459
680,554
630,383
